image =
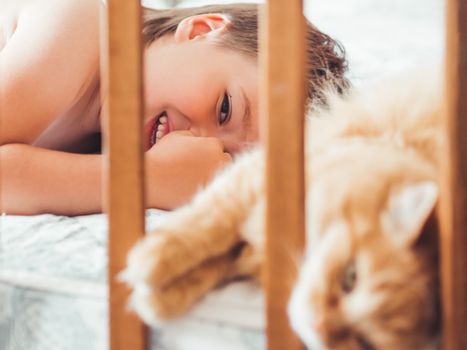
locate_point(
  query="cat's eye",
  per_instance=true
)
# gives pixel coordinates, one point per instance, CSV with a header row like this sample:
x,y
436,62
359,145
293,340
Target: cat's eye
x,y
363,343
349,278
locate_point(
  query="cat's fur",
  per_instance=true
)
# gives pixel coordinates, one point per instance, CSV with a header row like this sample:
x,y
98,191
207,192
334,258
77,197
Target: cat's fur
x,y
369,274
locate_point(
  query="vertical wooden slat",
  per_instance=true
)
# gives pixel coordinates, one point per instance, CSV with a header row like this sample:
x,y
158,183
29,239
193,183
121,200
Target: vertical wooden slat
x,y
122,90
282,113
454,183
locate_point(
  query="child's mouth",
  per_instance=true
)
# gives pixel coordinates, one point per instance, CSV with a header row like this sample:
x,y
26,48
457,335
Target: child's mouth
x,y
160,129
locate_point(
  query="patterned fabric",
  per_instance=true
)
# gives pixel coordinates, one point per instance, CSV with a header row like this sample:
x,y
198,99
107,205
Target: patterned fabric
x,y
53,292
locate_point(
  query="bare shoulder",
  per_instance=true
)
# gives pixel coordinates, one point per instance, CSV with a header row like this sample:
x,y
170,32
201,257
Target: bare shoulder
x,y
56,12
51,22
52,52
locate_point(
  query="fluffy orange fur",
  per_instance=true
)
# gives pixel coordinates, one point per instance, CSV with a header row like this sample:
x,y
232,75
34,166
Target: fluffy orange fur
x,y
368,279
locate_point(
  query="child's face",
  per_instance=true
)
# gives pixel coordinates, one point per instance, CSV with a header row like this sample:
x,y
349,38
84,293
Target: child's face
x,y
199,87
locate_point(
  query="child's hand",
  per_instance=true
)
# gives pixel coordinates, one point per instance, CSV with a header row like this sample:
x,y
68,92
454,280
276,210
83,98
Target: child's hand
x,y
178,165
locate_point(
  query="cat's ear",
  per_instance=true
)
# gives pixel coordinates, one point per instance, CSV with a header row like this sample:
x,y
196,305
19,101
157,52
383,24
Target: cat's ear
x,y
407,211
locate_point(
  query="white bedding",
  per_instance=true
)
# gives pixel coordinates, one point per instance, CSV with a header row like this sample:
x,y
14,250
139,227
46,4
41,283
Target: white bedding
x,y
53,269
53,292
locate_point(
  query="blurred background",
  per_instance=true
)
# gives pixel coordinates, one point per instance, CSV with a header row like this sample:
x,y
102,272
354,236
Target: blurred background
x,y
380,36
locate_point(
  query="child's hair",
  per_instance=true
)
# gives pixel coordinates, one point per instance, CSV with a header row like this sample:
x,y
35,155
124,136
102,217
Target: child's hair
x,y
326,62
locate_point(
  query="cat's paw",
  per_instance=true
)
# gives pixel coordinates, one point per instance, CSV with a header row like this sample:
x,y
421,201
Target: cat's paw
x,y
156,261
157,307
157,304
157,295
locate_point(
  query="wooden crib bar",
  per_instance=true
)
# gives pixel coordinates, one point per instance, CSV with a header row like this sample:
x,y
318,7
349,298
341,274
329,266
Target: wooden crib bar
x,y
121,72
282,115
454,183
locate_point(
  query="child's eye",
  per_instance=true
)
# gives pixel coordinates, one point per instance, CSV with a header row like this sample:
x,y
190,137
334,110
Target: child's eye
x,y
225,110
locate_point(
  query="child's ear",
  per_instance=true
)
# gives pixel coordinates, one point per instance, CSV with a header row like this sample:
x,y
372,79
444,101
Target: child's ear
x,y
198,26
407,211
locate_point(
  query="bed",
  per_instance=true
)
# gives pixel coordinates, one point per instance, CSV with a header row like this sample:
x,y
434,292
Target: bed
x,y
53,292
53,270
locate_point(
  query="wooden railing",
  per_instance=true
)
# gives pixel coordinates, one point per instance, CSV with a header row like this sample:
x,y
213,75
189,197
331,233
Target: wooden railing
x,y
282,60
121,72
454,182
282,31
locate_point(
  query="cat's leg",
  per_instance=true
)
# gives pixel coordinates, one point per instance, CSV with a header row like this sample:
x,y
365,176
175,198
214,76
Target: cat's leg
x,y
206,228
178,297
245,260
173,300
250,259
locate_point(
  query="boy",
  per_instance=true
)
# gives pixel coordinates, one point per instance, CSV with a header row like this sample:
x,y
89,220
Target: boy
x,y
201,100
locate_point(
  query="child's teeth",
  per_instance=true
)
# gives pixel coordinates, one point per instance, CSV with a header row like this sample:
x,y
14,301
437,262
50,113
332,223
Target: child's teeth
x,y
162,126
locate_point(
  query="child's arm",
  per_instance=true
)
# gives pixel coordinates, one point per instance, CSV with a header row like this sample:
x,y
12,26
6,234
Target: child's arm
x,y
35,180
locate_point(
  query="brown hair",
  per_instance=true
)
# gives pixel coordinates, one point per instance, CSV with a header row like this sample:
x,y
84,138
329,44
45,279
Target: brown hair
x,y
326,63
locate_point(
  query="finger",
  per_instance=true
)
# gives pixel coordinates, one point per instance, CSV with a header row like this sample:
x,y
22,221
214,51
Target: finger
x,y
227,158
173,137
214,142
181,133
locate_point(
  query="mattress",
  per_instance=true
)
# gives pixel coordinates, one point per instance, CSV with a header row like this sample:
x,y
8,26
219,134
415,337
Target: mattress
x,y
53,292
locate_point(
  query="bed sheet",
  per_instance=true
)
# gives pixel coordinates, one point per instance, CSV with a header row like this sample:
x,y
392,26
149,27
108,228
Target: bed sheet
x,y
53,292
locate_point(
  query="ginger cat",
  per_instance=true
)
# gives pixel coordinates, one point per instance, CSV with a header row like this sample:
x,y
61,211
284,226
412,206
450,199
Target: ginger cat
x,y
368,279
